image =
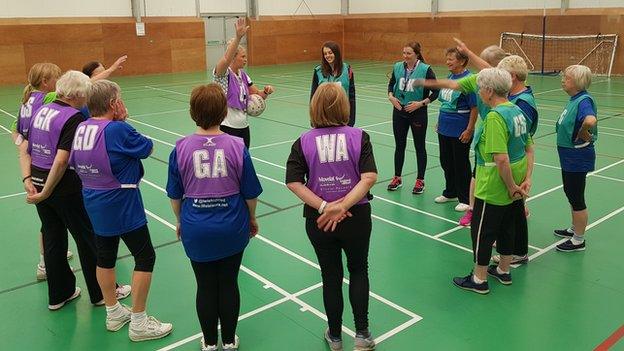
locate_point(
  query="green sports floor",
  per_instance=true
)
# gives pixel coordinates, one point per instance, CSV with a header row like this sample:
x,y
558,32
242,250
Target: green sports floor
x,y
557,302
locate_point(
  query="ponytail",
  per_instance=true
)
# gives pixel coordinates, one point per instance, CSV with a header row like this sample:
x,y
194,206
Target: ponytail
x,y
27,90
421,58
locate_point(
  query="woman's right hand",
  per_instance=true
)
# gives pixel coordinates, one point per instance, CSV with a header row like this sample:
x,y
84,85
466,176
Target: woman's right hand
x,y
241,27
253,227
29,187
395,102
333,214
517,193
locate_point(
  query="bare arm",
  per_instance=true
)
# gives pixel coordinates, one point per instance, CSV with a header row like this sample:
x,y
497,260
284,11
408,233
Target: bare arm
x,y
115,66
24,162
475,59
526,184
504,170
253,223
438,84
467,134
305,194
232,48
336,211
176,205
588,123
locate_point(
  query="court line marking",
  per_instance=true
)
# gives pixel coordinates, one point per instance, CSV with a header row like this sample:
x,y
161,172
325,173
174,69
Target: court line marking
x,y
306,307
12,195
590,226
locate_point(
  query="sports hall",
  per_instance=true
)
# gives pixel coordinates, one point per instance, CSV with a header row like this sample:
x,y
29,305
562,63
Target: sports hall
x,y
558,301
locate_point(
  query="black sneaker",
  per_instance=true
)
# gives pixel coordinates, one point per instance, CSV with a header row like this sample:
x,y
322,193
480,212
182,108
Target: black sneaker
x,y
467,283
504,278
564,233
569,246
419,187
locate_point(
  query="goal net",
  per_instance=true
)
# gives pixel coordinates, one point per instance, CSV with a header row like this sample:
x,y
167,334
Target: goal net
x,y
560,51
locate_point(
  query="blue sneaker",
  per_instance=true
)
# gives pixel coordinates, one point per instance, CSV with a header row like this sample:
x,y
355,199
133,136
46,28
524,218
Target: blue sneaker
x,y
467,283
564,233
568,246
504,278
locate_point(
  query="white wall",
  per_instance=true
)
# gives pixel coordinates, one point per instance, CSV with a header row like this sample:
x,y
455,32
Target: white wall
x,y
596,3
288,7
223,6
377,6
476,5
65,8
168,8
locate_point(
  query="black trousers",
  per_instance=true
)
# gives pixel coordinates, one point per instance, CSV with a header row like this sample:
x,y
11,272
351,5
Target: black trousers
x,y
574,188
59,214
401,123
238,132
352,236
218,298
138,242
502,224
455,161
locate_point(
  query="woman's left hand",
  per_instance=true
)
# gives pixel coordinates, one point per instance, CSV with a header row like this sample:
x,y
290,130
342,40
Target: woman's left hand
x,y
466,136
333,214
253,227
413,106
36,198
268,89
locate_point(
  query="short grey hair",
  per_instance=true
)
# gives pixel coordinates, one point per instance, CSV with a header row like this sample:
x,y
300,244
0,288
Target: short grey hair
x,y
493,54
496,79
73,84
101,94
581,76
515,64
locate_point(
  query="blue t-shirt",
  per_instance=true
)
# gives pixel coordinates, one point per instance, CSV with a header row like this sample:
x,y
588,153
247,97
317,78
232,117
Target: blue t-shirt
x,y
528,110
119,211
581,159
452,124
214,228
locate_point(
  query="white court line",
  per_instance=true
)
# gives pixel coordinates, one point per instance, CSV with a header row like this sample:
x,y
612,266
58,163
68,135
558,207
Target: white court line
x,y
560,89
305,306
414,209
12,195
553,245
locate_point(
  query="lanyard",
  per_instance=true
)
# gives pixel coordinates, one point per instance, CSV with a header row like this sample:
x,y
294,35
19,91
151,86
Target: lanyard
x,y
407,74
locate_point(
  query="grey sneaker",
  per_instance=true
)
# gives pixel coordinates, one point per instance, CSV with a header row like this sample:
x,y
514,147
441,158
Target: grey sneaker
x,y
115,323
364,342
233,346
205,347
151,329
335,344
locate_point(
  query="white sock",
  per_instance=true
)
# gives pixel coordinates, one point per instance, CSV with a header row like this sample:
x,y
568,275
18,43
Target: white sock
x,y
138,318
577,240
114,311
500,271
477,280
41,261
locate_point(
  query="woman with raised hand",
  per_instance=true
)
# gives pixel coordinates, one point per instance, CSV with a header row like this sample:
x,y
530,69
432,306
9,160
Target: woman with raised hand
x,y
333,70
107,155
229,73
577,131
331,168
96,70
214,190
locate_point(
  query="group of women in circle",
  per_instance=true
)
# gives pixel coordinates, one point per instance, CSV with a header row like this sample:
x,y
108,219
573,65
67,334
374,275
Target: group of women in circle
x,y
214,188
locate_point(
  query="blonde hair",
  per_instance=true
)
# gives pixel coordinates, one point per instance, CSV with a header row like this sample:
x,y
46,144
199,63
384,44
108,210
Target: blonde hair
x,y
493,54
238,49
101,94
38,72
73,84
495,79
581,76
515,64
329,106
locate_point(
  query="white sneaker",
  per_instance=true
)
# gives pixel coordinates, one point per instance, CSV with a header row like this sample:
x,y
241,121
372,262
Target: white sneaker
x,y
70,255
122,292
232,347
59,305
115,323
442,199
151,329
364,343
205,347
41,272
462,207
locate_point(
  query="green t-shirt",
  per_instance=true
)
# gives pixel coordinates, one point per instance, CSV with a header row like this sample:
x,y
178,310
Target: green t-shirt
x,y
490,187
469,85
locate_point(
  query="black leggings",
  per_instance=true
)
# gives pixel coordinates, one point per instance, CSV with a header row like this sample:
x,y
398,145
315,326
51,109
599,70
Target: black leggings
x,y
574,188
352,236
58,214
218,298
455,162
401,122
138,242
238,132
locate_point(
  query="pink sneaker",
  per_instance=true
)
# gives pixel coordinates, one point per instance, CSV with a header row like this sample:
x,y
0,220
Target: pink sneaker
x,y
466,219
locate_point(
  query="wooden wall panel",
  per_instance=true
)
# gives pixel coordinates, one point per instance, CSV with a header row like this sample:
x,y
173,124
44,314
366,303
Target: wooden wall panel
x,y
170,45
